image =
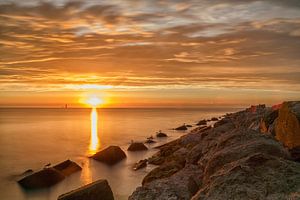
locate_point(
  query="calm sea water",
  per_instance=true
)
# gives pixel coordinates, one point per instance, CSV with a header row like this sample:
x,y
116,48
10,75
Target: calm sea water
x,y
32,138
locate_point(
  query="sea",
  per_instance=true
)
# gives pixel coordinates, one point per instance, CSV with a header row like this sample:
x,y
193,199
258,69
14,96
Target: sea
x,y
31,138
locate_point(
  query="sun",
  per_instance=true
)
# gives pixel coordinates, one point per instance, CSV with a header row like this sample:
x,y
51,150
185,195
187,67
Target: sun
x,y
94,101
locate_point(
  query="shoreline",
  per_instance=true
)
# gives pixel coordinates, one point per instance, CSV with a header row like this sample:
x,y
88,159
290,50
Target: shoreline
x,y
219,163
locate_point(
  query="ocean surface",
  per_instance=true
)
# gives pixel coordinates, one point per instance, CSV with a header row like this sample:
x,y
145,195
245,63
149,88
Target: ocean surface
x,y
31,138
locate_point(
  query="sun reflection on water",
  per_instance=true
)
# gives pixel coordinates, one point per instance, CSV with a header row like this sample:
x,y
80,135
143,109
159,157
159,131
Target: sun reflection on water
x,y
94,139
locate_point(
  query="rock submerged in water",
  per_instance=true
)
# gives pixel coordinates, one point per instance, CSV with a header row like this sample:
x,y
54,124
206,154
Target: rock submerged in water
x,y
141,164
214,119
111,155
232,160
181,128
150,141
98,190
41,179
49,176
137,146
67,167
161,134
201,122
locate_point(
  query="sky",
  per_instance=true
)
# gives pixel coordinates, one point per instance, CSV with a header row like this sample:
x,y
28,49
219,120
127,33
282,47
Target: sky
x,y
149,53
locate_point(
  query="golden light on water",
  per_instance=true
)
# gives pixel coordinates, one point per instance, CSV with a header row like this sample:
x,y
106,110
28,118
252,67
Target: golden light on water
x,y
94,139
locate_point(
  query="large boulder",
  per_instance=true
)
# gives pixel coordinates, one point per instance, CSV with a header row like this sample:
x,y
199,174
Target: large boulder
x,y
44,178
137,146
98,190
67,167
111,155
287,125
50,175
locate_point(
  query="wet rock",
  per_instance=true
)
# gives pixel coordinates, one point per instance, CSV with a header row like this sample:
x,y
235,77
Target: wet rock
x,y
137,146
287,125
161,134
41,179
27,172
49,175
181,128
150,141
47,165
111,155
98,190
202,122
67,167
141,164
214,119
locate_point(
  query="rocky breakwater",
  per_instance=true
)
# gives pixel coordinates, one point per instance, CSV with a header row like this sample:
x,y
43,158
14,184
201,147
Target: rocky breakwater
x,y
235,159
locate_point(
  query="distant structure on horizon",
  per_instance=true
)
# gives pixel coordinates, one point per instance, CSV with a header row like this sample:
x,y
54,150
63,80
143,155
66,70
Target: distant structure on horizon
x,y
66,106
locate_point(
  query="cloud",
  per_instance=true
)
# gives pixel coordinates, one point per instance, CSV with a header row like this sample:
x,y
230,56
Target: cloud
x,y
149,44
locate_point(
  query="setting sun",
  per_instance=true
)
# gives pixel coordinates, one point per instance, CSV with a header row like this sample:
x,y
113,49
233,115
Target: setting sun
x,y
94,101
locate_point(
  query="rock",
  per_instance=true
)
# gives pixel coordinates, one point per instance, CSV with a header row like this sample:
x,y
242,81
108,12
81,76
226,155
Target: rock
x,y
268,120
258,176
181,186
202,122
232,160
47,165
27,172
160,134
49,175
295,153
111,155
140,164
67,167
163,171
44,178
222,121
137,146
188,125
287,125
150,141
214,119
98,190
181,128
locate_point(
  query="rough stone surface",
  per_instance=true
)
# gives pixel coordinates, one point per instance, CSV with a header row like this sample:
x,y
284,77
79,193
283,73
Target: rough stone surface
x,y
232,160
137,146
111,155
287,125
98,190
